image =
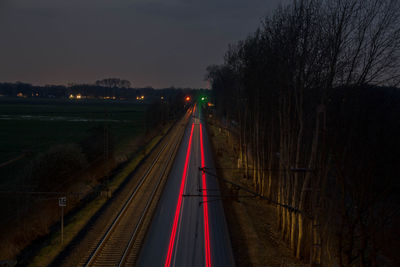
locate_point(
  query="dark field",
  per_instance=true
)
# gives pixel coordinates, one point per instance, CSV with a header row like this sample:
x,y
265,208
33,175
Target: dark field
x,y
30,126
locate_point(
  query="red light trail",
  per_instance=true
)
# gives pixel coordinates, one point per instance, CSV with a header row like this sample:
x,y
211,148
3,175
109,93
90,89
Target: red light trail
x,y
179,204
205,205
180,200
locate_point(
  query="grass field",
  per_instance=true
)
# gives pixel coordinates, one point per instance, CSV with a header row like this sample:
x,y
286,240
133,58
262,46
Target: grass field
x,y
29,126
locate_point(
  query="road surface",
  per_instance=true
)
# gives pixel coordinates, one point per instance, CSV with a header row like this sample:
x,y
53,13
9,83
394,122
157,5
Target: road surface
x,y
189,226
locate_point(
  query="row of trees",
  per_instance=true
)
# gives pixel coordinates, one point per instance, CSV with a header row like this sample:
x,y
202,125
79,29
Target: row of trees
x,y
112,88
114,82
316,132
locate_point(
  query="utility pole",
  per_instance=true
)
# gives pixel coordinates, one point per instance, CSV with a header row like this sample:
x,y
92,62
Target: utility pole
x,y
106,141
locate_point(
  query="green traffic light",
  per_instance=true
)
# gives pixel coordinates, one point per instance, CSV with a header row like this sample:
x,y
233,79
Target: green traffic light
x,y
202,98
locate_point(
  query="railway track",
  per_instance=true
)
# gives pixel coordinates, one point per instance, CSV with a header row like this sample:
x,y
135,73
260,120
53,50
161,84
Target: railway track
x,y
118,242
114,248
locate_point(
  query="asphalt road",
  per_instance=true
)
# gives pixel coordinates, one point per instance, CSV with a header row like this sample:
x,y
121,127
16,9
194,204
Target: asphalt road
x,y
189,226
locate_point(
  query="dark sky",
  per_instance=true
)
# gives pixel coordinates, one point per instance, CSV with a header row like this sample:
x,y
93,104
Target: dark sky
x,y
157,43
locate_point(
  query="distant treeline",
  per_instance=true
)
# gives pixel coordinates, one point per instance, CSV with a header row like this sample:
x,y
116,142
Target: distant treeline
x,y
313,100
108,88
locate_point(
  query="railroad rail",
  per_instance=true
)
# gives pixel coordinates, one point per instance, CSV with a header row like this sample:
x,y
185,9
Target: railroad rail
x,y
119,245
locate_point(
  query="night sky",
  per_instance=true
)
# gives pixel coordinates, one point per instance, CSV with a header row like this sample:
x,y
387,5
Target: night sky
x,y
157,43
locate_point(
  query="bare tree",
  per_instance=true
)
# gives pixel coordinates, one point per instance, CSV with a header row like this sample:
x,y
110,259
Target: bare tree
x,y
308,65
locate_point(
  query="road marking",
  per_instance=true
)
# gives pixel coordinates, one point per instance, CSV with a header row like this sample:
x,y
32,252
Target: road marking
x,y
179,204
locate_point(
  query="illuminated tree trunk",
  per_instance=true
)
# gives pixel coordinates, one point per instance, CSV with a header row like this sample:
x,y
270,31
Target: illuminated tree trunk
x,y
306,186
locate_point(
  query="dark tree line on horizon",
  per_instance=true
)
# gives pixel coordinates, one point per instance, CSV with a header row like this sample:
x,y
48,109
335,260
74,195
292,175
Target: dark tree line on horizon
x,y
110,88
313,100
